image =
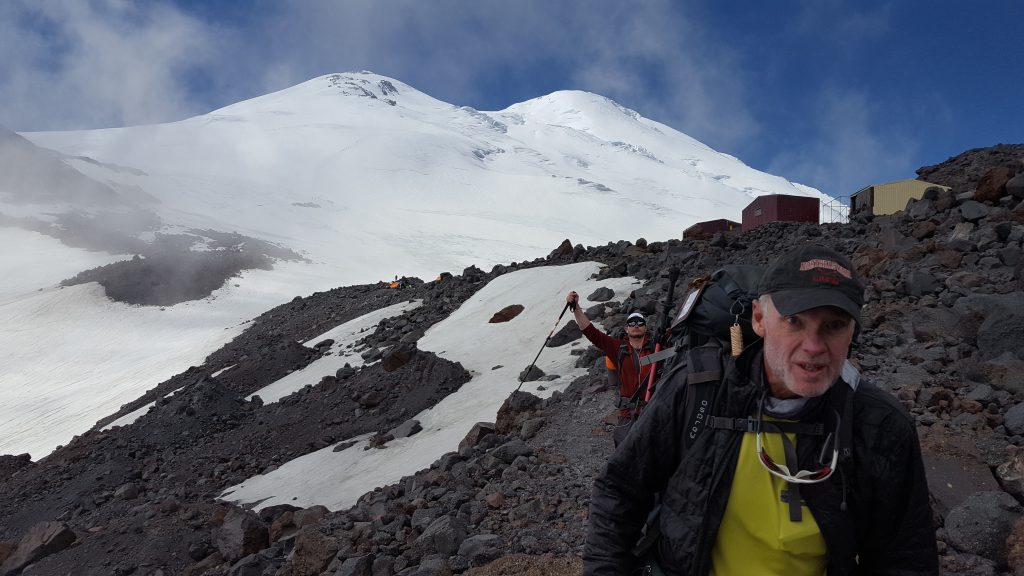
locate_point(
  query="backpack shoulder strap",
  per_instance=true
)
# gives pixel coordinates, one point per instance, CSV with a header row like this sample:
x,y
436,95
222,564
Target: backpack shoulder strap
x,y
702,383
703,372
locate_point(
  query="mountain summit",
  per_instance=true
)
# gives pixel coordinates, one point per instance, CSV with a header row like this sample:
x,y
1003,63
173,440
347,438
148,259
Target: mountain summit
x,y
343,179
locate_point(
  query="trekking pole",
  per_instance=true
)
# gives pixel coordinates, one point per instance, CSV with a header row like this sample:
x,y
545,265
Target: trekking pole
x,y
666,309
550,334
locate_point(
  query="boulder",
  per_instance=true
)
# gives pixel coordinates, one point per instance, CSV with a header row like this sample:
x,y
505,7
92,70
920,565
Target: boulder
x,y
531,374
42,540
481,548
324,345
443,536
272,513
507,313
371,399
516,409
127,491
922,230
960,238
1001,333
930,324
980,524
283,526
511,450
371,355
407,428
974,310
397,356
568,333
1015,186
973,211
1005,372
311,515
1014,421
602,294
313,552
423,517
992,185
531,427
356,566
10,464
529,511
475,434
919,283
949,258
564,249
920,209
472,273
242,533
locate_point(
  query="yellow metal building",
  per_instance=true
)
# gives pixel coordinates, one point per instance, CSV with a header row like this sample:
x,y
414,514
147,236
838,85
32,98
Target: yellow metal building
x,y
890,197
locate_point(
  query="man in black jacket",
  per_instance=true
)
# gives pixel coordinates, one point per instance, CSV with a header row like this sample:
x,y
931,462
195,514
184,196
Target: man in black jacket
x,y
801,469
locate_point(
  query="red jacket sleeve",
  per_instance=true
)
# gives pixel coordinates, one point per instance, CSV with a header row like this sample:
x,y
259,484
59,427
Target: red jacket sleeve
x,y
607,344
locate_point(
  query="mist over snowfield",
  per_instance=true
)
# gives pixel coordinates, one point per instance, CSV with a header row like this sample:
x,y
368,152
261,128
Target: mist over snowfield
x,y
344,179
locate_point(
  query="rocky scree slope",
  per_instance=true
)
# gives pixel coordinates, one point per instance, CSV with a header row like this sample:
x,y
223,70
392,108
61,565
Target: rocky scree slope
x,y
944,332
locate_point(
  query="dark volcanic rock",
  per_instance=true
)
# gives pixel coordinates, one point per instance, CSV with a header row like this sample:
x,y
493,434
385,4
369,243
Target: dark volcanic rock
x,y
531,374
397,357
568,333
601,295
507,313
241,534
981,523
42,540
11,464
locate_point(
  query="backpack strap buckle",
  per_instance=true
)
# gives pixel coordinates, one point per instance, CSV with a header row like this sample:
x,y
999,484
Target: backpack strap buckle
x,y
748,424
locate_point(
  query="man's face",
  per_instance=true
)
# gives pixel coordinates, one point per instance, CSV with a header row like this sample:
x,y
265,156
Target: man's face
x,y
637,330
803,353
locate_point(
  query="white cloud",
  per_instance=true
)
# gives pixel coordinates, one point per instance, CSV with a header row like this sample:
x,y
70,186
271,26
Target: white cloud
x,y
113,62
99,63
699,85
848,148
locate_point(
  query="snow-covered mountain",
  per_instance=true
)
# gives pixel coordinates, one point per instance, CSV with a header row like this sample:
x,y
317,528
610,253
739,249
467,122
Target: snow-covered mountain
x,y
344,179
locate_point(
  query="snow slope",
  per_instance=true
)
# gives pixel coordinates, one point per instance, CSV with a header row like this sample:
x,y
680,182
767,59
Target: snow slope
x,y
493,353
365,177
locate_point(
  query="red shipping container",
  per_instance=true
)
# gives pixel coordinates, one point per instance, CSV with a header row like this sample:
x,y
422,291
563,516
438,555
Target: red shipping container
x,y
701,229
781,208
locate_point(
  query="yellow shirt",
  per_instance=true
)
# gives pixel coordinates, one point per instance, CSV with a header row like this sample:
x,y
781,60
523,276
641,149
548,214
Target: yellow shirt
x,y
756,536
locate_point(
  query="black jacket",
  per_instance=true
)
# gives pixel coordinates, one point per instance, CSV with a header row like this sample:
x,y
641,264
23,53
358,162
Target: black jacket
x,y
873,513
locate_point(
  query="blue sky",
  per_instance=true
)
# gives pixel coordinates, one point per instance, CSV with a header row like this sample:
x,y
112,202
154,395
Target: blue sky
x,y
835,94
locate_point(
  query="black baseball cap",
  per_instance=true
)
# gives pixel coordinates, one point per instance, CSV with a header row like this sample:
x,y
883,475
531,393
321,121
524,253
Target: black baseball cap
x,y
810,277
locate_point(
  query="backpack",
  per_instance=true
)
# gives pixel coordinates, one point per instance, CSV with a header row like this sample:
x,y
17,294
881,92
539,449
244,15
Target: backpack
x,y
703,335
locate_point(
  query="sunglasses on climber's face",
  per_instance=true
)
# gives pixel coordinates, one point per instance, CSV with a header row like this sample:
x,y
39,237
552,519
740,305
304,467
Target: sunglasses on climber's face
x,y
635,323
